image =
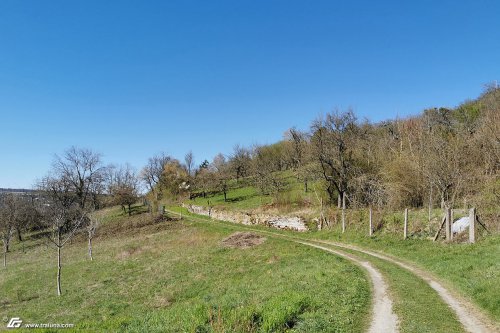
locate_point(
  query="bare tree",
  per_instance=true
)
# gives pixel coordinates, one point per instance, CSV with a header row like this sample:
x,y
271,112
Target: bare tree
x,y
332,141
93,222
189,162
124,187
240,161
266,164
151,174
61,214
220,169
7,221
82,169
299,152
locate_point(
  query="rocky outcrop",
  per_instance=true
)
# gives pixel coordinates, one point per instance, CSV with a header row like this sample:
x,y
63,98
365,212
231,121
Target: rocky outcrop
x,y
279,222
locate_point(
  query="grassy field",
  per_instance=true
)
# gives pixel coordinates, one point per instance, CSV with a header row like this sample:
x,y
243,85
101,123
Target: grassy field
x,y
175,276
472,269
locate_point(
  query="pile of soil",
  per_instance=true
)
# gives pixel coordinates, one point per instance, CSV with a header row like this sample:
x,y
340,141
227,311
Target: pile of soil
x,y
243,240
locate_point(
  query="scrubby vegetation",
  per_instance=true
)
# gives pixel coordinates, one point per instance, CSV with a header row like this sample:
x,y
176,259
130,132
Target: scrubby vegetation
x,y
445,157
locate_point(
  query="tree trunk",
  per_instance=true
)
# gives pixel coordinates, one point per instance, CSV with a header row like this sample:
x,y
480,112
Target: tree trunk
x,y
4,256
370,230
19,236
225,196
129,210
343,212
305,186
58,271
59,245
430,203
90,249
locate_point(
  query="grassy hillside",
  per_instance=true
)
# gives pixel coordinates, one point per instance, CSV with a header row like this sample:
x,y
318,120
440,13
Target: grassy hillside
x,y
175,276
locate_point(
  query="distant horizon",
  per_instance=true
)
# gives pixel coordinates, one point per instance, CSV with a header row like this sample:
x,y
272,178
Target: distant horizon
x,y
130,80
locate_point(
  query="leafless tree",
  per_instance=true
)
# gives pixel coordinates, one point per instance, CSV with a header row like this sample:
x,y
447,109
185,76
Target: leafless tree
x,y
124,187
7,222
151,174
93,222
82,169
299,152
240,161
220,169
332,141
266,163
189,162
61,214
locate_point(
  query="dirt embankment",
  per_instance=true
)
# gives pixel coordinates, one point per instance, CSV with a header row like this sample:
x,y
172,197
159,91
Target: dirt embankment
x,y
280,222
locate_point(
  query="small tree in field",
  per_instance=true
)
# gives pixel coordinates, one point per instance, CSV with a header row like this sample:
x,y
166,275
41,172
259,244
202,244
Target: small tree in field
x,y
93,223
221,175
124,187
7,221
61,215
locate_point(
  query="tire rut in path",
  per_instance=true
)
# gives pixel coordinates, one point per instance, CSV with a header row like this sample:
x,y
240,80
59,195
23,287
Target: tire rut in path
x,y
471,319
383,318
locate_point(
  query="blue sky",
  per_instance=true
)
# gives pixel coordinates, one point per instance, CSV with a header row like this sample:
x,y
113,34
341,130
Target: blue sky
x,y
132,78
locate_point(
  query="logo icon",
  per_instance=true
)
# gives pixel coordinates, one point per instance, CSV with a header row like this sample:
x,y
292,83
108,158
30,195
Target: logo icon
x,y
14,322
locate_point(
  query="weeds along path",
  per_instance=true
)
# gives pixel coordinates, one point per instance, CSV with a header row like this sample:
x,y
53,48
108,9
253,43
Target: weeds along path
x,y
469,316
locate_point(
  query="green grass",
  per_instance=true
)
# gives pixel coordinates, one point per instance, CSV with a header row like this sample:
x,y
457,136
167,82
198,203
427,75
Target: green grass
x,y
472,269
244,196
240,198
176,277
418,307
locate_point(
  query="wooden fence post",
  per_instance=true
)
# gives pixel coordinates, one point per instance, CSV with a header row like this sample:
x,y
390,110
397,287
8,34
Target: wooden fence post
x,y
447,226
451,223
370,233
343,212
406,224
472,225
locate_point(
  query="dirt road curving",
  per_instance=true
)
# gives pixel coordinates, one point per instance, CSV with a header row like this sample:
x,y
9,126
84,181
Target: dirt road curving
x,y
471,319
383,318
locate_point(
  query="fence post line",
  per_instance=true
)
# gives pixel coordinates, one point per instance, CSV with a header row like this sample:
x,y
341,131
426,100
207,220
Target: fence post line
x,y
406,224
472,225
448,223
370,219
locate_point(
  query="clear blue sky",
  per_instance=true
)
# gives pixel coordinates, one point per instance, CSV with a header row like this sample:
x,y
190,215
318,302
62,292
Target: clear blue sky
x,y
132,78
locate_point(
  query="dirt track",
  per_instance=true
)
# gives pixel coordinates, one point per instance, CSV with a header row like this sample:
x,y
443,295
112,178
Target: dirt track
x,y
472,319
383,318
